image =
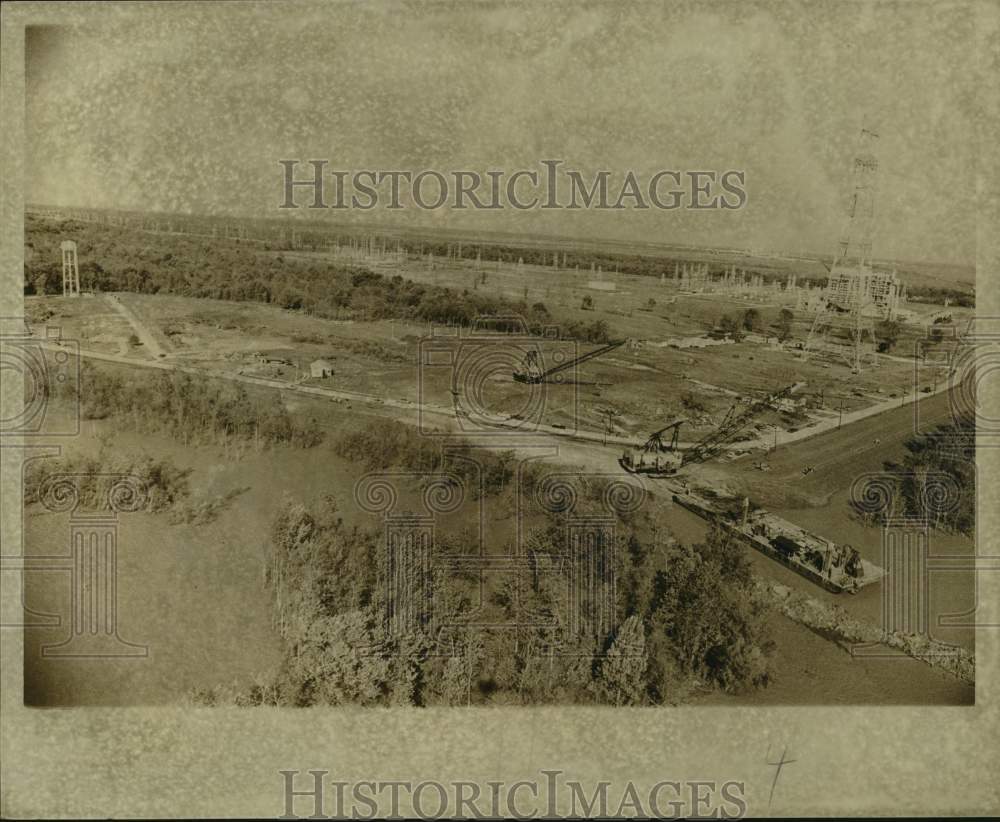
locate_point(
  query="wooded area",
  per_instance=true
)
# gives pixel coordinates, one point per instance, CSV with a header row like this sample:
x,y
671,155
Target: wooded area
x,y
687,616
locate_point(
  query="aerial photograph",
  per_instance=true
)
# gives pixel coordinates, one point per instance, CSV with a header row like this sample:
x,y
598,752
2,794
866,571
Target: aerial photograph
x,y
465,355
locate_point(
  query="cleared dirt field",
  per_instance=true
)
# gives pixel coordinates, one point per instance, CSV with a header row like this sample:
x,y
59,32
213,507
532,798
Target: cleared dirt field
x,y
88,318
627,392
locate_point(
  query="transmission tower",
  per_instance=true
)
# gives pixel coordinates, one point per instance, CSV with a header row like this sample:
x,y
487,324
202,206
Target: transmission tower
x,y
855,294
856,241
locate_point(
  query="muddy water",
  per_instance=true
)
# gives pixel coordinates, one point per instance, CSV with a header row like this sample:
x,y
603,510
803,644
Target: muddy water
x,y
196,600
951,592
194,595
810,669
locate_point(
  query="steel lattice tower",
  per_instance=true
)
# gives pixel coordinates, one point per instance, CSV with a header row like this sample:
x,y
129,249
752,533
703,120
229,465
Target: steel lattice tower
x,y
856,240
855,293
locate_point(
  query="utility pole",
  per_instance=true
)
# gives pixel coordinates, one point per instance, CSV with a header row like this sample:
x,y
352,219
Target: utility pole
x,y
607,428
841,409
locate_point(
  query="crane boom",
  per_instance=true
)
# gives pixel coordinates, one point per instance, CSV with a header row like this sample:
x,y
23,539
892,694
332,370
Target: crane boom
x,y
530,374
733,423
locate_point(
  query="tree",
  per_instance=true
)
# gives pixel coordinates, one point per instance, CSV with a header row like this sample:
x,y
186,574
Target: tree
x,y
729,326
751,319
693,404
785,324
887,334
555,678
704,601
539,308
598,332
588,303
454,684
332,668
942,460
620,677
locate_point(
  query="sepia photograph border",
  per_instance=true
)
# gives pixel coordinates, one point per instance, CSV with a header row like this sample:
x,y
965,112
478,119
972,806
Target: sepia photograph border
x,y
226,762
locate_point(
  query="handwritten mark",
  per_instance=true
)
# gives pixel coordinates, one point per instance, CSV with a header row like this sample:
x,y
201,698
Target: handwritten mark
x,y
777,770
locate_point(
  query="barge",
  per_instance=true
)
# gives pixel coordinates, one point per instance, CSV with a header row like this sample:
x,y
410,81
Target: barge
x,y
838,568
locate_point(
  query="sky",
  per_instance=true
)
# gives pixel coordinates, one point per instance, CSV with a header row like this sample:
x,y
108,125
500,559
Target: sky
x,y
189,107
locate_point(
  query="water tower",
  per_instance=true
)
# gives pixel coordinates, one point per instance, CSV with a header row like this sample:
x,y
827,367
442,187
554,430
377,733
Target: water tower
x,y
70,270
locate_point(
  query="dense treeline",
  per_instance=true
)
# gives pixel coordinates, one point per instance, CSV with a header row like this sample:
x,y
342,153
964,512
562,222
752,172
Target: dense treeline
x,y
685,614
938,294
936,481
192,409
120,259
949,499
386,443
114,259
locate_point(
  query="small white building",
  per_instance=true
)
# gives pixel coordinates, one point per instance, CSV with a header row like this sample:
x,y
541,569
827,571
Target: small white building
x,y
321,368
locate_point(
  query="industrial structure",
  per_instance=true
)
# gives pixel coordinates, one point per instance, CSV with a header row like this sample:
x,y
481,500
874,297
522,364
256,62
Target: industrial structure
x,y
70,269
856,296
321,369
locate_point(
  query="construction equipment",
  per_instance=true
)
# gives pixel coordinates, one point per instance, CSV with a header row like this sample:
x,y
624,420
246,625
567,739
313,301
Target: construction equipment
x,y
655,441
655,457
657,460
531,370
733,424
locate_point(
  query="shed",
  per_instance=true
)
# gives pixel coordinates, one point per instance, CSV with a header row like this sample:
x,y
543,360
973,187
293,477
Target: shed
x,y
321,368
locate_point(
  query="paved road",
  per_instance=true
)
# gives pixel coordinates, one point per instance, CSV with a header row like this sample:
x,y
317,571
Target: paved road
x,y
863,443
834,421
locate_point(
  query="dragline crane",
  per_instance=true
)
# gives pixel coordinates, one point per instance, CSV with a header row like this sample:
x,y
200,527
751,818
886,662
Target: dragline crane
x,y
656,459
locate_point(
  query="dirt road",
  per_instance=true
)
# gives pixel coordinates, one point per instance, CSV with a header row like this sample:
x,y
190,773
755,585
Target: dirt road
x,y
150,340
